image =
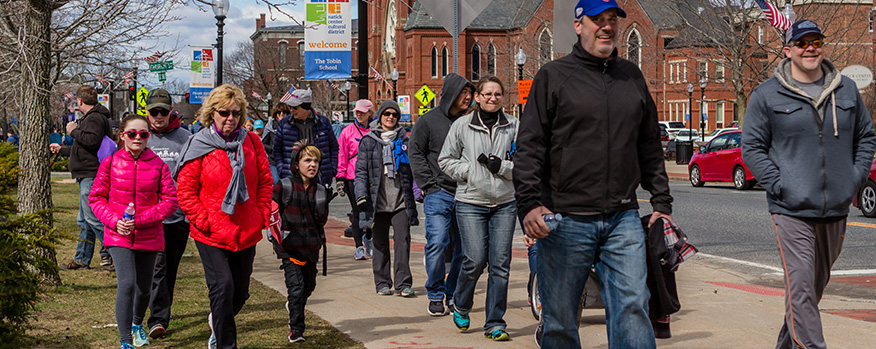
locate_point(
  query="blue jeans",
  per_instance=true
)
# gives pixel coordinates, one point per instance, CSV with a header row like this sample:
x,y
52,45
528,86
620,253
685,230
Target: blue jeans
x,y
275,174
440,210
91,226
487,233
616,243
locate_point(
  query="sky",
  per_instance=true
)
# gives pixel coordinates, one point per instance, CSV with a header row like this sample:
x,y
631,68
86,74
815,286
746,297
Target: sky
x,y
198,28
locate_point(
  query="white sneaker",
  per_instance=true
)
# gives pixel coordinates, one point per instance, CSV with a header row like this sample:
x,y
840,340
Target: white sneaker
x,y
139,335
368,245
211,343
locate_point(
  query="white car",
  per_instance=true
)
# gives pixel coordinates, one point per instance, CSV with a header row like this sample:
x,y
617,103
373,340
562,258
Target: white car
x,y
718,132
686,135
672,127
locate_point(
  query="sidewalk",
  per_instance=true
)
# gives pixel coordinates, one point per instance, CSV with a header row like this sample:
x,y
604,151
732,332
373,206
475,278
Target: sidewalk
x,y
720,309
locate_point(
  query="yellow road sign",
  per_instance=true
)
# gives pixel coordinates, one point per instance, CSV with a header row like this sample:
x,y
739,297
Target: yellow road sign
x,y
142,93
423,110
425,95
141,112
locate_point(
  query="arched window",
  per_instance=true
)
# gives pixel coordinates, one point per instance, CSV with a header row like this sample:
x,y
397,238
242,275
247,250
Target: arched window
x,y
434,62
545,47
491,59
444,61
475,62
282,48
634,48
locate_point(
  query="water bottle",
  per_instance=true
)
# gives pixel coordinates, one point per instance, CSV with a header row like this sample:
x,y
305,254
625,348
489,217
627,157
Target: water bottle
x,y
129,215
552,220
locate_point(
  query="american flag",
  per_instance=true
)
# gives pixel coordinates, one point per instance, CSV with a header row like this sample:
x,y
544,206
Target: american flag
x,y
127,77
69,95
287,95
154,57
376,74
102,79
776,18
256,95
332,84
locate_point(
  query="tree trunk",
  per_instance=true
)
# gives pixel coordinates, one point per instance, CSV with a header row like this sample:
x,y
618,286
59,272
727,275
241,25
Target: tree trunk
x,y
34,184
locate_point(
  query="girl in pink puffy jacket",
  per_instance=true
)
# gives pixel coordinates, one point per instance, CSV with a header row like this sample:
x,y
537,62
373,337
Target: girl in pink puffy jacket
x,y
133,175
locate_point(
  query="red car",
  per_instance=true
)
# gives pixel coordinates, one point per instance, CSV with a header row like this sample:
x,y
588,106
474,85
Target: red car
x,y
720,160
866,199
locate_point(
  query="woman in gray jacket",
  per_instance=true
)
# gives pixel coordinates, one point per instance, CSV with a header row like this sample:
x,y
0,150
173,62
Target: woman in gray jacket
x,y
384,191
477,154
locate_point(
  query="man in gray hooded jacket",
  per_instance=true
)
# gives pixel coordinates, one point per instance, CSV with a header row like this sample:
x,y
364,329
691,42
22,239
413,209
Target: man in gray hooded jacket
x,y
809,141
427,138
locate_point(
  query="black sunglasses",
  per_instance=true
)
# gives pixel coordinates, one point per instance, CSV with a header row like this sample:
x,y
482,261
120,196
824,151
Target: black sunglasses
x,y
156,111
225,113
133,134
388,113
803,44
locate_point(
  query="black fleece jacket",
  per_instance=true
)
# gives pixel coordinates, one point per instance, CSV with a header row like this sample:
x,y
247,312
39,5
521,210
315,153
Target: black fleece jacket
x,y
428,135
86,141
588,137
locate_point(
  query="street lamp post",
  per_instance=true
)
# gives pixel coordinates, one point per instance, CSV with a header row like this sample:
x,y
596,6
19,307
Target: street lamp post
x,y
394,77
220,9
704,111
347,88
690,89
270,107
520,59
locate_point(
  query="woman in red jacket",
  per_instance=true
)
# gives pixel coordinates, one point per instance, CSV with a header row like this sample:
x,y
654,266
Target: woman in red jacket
x,y
224,187
138,179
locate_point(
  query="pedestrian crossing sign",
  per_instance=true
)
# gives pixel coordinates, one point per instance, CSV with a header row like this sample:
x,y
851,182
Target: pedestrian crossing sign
x,y
425,95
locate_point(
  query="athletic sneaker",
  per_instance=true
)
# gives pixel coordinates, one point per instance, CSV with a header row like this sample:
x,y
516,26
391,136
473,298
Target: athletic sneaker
x,y
211,343
73,265
368,245
448,302
295,336
106,261
359,255
139,334
407,292
385,291
461,321
126,346
436,308
498,335
157,331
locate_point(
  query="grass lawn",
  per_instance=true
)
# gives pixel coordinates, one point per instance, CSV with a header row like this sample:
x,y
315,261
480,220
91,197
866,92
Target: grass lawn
x,y
81,312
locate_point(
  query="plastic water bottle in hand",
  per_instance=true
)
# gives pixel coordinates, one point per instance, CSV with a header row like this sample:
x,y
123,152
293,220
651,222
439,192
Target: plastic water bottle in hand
x,y
129,215
552,220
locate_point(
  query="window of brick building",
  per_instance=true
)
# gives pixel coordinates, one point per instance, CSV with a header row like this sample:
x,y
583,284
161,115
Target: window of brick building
x,y
282,48
491,59
634,48
719,72
545,47
444,62
704,71
434,62
301,54
475,62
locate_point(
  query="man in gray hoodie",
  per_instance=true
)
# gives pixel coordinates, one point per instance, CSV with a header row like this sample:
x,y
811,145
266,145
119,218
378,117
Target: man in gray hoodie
x,y
809,141
427,138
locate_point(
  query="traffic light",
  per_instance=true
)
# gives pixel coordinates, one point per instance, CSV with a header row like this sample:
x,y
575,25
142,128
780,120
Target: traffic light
x,y
131,93
187,97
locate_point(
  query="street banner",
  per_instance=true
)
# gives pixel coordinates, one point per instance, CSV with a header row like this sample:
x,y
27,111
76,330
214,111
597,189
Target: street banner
x,y
327,40
404,105
201,76
104,99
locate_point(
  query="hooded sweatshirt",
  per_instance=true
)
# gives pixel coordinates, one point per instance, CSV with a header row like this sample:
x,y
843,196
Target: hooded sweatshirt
x,y
428,135
86,141
167,145
810,154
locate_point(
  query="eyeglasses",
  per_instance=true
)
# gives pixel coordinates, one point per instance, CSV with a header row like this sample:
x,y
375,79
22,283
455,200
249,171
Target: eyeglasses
x,y
133,134
803,44
156,111
387,113
491,95
225,113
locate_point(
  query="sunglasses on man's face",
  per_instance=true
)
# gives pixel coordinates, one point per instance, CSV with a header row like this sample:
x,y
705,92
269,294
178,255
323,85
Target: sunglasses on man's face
x,y
157,111
803,44
133,134
225,113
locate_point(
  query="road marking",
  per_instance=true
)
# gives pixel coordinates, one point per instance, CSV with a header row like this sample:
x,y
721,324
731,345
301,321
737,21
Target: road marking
x,y
751,264
853,272
866,225
643,200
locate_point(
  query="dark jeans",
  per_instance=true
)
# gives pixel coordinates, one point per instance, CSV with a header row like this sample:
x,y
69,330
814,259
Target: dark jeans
x,y
92,228
401,232
176,236
351,194
300,282
227,274
133,277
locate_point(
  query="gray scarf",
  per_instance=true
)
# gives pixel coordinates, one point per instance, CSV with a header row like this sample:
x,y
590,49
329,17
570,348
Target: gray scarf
x,y
381,136
203,143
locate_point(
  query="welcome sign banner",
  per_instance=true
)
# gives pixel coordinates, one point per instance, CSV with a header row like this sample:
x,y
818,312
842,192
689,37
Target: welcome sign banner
x,y
327,40
201,75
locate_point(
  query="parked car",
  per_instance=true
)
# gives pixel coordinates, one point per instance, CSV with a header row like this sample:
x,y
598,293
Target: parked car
x,y
338,127
685,135
721,161
866,198
664,135
718,132
672,127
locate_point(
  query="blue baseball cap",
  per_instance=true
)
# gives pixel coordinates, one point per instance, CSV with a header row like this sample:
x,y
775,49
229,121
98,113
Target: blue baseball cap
x,y
259,124
801,28
595,7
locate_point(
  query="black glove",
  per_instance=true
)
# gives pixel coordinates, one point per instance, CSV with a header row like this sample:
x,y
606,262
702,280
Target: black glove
x,y
492,162
362,203
414,221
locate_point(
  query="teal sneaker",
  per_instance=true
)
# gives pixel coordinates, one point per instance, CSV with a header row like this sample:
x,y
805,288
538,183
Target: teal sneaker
x,y
498,335
461,321
385,291
126,346
139,334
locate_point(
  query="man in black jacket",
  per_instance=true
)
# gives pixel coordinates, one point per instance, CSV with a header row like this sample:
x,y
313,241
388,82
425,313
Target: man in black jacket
x,y
87,133
588,137
427,138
